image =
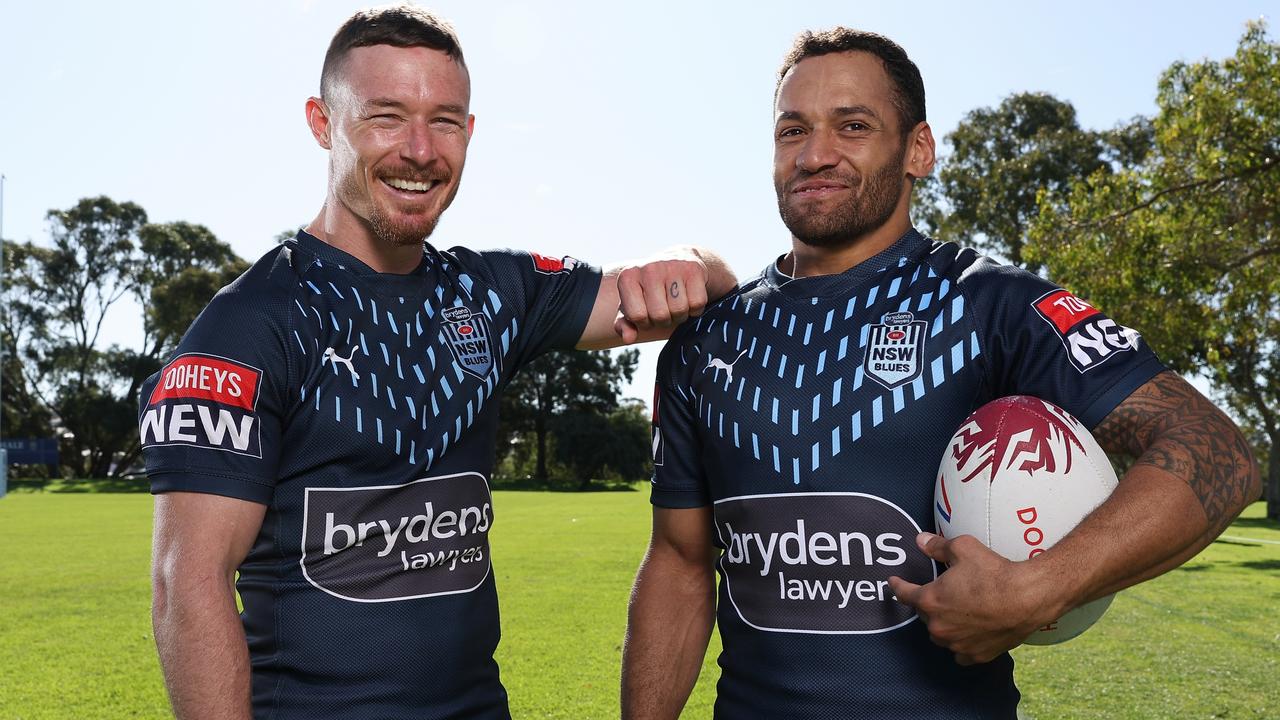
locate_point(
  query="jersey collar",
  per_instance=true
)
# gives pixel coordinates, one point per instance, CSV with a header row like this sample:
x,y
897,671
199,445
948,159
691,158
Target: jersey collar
x,y
909,245
412,283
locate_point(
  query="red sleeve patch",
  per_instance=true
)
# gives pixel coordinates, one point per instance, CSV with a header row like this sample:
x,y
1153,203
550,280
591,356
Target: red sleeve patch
x,y
204,377
1064,310
551,266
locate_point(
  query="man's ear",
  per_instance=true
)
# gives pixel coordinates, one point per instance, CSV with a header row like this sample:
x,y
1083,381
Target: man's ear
x,y
318,121
921,151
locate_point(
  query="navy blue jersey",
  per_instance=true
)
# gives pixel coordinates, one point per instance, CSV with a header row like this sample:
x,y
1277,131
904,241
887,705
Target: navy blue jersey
x,y
812,414
360,408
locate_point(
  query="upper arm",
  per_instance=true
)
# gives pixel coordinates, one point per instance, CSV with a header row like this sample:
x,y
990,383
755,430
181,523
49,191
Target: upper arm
x,y
1168,425
684,533
211,420
202,534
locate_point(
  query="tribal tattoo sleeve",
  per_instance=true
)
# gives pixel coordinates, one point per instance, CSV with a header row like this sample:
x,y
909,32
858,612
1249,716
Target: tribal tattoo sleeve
x,y
1168,425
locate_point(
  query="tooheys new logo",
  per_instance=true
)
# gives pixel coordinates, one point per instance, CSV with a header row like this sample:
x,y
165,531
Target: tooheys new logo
x,y
818,562
395,542
1090,337
206,401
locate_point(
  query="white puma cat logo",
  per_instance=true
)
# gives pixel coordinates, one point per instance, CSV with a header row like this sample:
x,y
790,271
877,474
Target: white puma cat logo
x,y
716,365
332,356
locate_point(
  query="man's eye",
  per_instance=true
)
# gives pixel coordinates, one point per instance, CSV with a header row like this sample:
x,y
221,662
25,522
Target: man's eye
x,y
789,132
856,126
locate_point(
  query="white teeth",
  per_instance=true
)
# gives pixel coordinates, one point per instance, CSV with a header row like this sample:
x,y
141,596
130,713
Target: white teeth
x,y
399,184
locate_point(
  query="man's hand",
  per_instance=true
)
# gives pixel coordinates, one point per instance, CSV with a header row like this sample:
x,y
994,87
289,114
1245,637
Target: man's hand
x,y
983,605
659,294
645,301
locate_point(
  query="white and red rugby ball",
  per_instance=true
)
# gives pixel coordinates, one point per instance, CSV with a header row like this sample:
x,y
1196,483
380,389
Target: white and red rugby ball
x,y
1019,474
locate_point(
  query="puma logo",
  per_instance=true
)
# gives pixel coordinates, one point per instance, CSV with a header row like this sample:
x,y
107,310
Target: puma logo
x,y
332,356
716,365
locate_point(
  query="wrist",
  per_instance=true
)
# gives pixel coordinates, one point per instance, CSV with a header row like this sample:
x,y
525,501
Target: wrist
x,y
1051,589
720,279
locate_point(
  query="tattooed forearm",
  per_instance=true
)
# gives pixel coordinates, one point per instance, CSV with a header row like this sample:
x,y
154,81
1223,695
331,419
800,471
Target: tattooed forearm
x,y
1168,425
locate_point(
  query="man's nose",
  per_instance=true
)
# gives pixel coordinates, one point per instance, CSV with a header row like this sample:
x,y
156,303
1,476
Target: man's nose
x,y
818,152
420,144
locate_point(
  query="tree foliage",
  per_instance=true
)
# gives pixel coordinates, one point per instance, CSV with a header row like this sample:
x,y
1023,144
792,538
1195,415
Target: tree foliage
x,y
57,299
987,191
562,416
1183,243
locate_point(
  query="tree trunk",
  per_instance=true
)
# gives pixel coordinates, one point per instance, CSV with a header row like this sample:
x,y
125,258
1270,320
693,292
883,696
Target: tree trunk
x,y
540,430
1273,479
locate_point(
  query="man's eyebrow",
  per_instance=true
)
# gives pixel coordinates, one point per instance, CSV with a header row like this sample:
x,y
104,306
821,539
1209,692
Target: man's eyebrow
x,y
392,103
855,110
382,103
835,112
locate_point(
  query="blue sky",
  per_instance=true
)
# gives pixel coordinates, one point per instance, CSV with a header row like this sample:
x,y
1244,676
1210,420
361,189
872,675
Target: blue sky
x,y
604,130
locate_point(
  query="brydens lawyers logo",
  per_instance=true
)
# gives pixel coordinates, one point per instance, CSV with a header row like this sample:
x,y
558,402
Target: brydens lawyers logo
x,y
818,563
1090,337
385,543
205,401
468,335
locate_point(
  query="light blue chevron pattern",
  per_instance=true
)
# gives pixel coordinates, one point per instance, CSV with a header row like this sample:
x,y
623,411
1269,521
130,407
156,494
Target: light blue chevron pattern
x,y
401,377
788,390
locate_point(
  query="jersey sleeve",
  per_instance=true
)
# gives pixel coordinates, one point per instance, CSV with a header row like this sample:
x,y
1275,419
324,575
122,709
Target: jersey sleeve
x,y
679,480
211,419
553,296
1042,340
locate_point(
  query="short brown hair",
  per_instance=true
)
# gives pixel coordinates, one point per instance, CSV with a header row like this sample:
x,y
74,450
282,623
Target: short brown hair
x,y
395,25
908,88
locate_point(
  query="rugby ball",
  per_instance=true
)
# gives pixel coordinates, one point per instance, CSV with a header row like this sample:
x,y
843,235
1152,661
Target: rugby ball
x,y
1019,474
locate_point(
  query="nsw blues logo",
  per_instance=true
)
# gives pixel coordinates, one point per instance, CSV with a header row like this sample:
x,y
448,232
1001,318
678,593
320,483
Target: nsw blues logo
x,y
894,349
469,339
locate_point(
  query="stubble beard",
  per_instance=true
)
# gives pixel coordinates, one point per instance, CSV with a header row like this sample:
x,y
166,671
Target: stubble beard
x,y
401,234
410,230
866,212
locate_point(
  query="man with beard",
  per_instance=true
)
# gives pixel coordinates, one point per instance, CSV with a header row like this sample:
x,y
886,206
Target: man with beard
x,y
326,428
799,423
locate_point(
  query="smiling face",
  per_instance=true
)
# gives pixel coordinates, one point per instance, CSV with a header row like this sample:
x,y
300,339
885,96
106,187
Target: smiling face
x,y
396,123
840,153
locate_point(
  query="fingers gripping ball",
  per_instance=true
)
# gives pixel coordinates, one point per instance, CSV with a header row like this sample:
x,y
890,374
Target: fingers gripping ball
x,y
1018,475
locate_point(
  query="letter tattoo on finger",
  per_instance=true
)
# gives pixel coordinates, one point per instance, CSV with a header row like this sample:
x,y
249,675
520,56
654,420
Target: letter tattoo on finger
x,y
675,289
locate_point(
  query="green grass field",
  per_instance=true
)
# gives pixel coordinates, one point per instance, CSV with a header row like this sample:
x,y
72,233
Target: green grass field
x,y
75,637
